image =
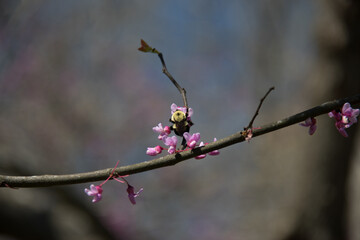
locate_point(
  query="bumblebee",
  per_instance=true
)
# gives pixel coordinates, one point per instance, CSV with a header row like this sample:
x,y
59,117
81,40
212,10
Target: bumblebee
x,y
180,123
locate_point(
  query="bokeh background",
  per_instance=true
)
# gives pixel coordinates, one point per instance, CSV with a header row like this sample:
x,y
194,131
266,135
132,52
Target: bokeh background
x,y
76,95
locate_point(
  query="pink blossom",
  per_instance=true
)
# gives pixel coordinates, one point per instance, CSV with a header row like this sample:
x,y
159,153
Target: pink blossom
x,y
249,134
311,123
339,123
163,131
191,139
154,151
94,191
202,155
345,119
131,193
336,115
215,152
171,142
341,128
212,153
349,115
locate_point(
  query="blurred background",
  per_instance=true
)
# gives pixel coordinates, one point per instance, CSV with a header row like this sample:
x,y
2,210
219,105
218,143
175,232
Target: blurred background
x,y
76,95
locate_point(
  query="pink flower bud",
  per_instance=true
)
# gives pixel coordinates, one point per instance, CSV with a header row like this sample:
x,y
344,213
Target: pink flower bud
x,y
154,151
131,193
95,191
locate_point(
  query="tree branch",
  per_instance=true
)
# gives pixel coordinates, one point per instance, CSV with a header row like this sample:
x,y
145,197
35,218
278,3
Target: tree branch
x,y
169,160
146,48
181,90
258,108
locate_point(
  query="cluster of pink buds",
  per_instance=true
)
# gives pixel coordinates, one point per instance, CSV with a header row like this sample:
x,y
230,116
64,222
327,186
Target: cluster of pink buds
x,y
192,140
344,119
96,191
213,153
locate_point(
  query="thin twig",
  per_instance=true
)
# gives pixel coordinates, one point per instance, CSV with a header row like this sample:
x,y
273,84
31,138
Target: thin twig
x,y
258,108
181,90
146,48
169,160
166,72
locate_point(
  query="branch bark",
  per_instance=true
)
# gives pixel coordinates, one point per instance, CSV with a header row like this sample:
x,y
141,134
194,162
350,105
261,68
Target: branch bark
x,y
169,160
